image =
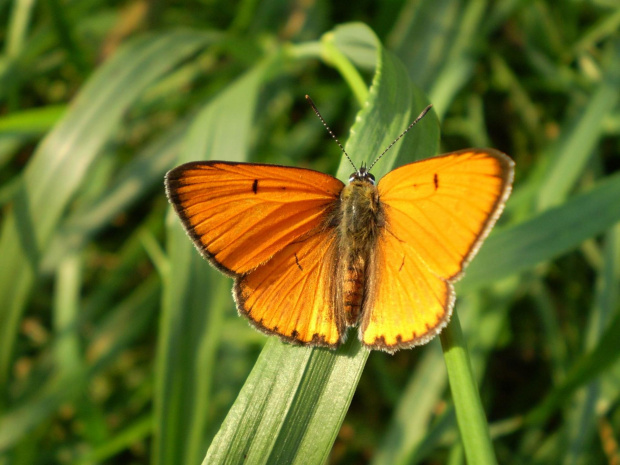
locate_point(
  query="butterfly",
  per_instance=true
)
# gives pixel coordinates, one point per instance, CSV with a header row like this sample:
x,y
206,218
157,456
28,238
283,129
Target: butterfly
x,y
312,256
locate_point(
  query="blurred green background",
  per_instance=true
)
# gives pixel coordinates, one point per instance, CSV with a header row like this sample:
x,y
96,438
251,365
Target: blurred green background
x,y
119,344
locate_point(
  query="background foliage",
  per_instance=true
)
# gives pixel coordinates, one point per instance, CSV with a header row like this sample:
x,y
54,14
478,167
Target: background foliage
x,y
118,343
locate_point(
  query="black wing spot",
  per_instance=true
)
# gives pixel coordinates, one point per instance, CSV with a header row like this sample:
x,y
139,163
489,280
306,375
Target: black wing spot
x,y
297,261
402,264
255,186
436,181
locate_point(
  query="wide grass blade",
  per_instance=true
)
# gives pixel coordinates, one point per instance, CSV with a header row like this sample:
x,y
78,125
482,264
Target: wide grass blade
x,y
145,170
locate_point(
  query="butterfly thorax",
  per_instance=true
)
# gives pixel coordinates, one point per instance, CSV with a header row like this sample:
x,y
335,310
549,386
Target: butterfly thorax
x,y
361,221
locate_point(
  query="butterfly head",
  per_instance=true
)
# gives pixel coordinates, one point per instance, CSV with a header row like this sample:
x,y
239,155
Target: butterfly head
x,y
362,174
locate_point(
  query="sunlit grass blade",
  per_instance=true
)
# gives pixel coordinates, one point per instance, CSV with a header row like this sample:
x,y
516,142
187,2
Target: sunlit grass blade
x,y
144,171
67,348
57,168
32,123
470,414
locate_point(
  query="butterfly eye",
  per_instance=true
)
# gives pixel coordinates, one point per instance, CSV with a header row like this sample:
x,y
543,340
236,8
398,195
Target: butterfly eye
x,y
362,175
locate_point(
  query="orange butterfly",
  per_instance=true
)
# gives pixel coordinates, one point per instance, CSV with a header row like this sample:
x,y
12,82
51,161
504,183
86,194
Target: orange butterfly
x,y
311,256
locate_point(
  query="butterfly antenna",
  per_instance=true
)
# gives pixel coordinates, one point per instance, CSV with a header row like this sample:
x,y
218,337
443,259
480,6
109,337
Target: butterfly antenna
x,y
420,116
316,110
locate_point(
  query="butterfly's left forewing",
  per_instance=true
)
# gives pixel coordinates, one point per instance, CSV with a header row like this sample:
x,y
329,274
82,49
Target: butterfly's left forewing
x,y
239,215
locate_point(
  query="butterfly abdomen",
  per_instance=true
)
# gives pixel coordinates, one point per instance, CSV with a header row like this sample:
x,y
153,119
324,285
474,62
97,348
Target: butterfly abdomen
x,y
361,219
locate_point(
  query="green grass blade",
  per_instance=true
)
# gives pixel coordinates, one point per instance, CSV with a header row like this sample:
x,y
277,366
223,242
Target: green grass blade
x,y
58,166
295,399
469,412
288,406
144,171
579,139
31,123
351,41
18,23
547,235
68,286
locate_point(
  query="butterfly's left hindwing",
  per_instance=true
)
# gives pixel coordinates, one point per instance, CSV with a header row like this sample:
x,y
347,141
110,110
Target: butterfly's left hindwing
x,y
292,295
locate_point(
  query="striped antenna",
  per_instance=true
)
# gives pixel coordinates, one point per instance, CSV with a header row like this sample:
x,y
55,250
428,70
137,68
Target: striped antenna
x,y
420,116
316,110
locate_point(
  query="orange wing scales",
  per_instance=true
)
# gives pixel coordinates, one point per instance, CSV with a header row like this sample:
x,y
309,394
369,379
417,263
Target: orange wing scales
x,y
437,212
240,215
446,223
410,304
271,228
291,295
